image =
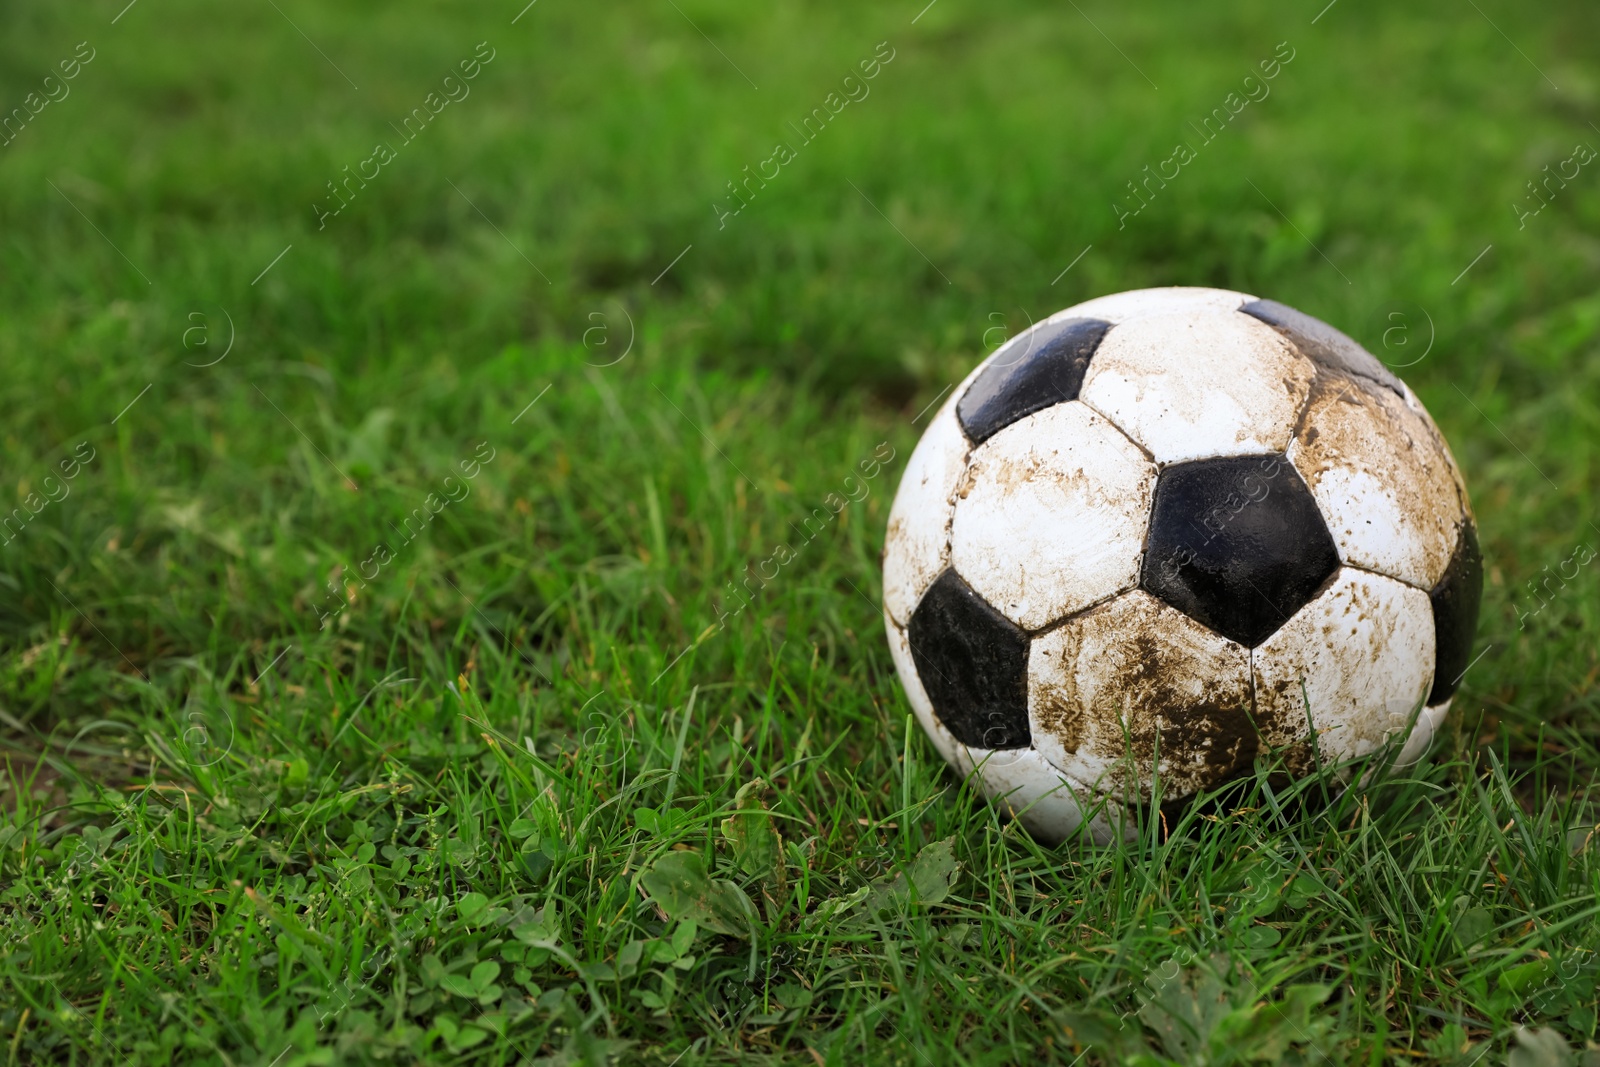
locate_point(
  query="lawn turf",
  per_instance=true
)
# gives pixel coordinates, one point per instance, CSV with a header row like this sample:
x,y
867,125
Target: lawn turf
x,y
273,795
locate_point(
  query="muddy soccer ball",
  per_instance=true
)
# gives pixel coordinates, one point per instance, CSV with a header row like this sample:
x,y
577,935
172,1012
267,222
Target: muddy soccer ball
x,y
1165,535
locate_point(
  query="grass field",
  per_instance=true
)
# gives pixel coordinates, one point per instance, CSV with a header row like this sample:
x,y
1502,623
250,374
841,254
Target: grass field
x,y
379,646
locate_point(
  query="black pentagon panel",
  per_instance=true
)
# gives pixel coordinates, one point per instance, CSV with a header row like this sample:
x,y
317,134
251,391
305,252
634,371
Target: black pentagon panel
x,y
1237,544
1325,346
1455,614
1038,368
973,662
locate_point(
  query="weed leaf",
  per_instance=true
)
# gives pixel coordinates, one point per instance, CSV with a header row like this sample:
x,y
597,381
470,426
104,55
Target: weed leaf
x,y
927,881
757,845
681,886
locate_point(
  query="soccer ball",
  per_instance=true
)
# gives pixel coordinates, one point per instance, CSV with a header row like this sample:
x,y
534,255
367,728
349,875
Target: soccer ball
x,y
1164,534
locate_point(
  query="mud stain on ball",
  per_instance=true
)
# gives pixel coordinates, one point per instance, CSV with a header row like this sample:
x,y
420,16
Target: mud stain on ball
x,y
1379,476
1195,735
1132,690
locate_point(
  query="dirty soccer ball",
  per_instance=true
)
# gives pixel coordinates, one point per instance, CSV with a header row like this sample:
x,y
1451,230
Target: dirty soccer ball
x,y
1165,534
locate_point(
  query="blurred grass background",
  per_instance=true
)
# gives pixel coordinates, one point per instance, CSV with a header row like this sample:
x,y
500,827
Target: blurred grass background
x,y
194,767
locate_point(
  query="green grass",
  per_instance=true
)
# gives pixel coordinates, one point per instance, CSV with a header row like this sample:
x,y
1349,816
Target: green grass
x,y
422,832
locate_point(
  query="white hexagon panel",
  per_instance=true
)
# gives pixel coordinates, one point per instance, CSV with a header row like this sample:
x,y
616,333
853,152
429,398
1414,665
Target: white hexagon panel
x,y
1360,657
1201,384
1051,514
1381,479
